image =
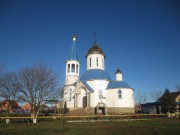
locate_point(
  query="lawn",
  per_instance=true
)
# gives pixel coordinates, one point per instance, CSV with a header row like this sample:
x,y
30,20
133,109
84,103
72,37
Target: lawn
x,y
123,127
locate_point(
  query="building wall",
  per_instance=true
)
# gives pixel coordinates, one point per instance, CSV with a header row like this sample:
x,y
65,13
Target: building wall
x,y
113,100
119,77
120,110
98,85
68,96
93,62
178,98
80,98
114,110
177,106
152,110
109,97
92,97
72,77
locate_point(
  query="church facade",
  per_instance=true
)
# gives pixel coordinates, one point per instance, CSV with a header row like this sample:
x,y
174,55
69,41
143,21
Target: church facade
x,y
94,90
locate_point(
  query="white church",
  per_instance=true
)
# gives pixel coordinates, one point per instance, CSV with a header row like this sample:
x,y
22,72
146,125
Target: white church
x,y
94,90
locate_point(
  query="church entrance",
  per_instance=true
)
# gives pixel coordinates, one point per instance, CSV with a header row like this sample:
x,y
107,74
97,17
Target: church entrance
x,y
101,108
84,102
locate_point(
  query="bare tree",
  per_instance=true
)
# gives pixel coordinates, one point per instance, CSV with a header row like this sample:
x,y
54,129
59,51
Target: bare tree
x,y
1,69
9,88
61,93
155,95
61,100
38,84
141,97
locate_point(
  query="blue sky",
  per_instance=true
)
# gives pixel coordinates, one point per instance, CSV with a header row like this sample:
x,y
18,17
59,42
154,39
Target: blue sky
x,y
141,37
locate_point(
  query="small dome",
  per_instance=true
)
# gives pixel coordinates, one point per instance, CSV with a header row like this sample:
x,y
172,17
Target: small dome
x,y
118,71
95,74
95,49
118,84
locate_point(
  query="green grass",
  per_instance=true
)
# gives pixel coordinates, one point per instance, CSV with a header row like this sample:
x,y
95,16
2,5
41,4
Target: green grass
x,y
135,127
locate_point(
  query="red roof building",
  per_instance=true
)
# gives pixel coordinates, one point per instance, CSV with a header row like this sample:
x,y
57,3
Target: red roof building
x,y
26,107
11,104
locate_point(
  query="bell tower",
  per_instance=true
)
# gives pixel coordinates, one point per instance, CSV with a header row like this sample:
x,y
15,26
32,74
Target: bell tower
x,y
72,64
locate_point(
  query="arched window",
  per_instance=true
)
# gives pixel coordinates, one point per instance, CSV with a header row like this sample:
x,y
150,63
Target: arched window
x,y
73,68
68,68
119,94
77,68
90,62
100,94
97,61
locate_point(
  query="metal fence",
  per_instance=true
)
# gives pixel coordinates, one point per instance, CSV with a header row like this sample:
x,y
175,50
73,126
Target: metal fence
x,y
89,116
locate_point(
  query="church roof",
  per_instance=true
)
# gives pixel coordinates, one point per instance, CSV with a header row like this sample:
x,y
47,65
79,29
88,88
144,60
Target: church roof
x,y
95,74
87,86
118,84
95,49
73,52
173,94
118,71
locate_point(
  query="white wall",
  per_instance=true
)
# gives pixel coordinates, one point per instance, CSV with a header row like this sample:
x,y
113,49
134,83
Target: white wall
x,y
101,61
127,99
110,96
119,77
68,96
96,86
80,98
72,77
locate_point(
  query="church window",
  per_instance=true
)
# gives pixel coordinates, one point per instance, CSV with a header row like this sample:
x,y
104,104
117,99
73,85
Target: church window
x,y
90,62
68,68
76,68
73,68
119,94
70,94
97,61
100,94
